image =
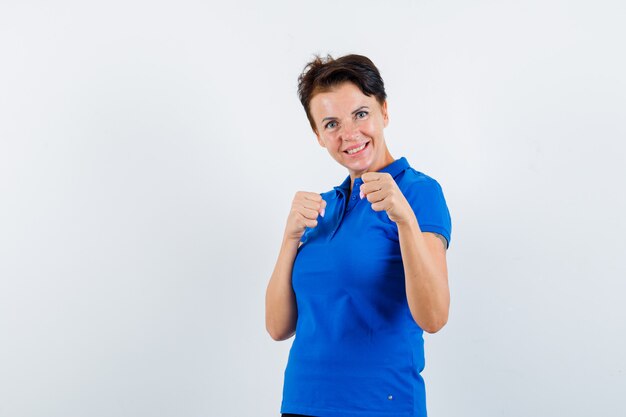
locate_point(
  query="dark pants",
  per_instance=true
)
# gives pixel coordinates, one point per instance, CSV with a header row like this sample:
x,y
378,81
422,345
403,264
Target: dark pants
x,y
295,415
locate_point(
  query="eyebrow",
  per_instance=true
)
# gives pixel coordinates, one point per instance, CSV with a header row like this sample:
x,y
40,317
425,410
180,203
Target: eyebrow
x,y
354,112
359,109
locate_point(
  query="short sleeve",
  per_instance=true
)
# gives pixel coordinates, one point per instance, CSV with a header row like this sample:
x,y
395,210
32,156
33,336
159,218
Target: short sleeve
x,y
429,205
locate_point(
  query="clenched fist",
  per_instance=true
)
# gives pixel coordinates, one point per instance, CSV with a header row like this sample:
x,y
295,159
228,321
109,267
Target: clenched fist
x,y
305,208
382,191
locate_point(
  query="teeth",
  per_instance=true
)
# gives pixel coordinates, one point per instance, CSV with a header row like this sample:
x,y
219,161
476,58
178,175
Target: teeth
x,y
360,148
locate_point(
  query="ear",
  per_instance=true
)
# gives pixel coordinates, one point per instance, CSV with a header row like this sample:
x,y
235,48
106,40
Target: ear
x,y
385,113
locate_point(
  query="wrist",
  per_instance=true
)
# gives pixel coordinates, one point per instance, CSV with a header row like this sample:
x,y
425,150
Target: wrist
x,y
291,240
408,223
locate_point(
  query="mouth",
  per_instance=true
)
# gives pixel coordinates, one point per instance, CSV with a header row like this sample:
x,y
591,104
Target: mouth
x,y
357,150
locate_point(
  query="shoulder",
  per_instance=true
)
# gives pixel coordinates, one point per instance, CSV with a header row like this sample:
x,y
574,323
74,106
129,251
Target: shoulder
x,y
328,194
412,180
426,198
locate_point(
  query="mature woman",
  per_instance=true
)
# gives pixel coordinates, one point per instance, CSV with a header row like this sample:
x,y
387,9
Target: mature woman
x,y
362,271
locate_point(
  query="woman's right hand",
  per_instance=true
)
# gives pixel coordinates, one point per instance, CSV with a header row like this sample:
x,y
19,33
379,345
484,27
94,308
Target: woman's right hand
x,y
305,208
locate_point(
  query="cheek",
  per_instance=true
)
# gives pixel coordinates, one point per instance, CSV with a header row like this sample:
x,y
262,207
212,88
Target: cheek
x,y
372,128
328,141
332,139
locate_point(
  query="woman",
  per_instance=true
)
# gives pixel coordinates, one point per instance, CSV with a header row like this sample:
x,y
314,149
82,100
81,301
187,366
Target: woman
x,y
361,271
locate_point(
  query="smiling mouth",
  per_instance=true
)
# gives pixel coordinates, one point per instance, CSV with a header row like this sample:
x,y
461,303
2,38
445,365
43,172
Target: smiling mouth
x,y
356,150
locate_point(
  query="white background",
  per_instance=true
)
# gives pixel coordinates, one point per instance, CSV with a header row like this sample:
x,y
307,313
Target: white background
x,y
149,152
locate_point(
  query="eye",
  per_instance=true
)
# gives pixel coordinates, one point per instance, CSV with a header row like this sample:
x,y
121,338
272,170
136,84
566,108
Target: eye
x,y
330,125
361,114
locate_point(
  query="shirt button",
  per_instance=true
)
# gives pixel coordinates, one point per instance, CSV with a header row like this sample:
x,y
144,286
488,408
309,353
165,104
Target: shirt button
x,y
390,397
354,197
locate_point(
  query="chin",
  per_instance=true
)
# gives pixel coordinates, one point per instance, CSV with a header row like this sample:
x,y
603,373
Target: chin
x,y
355,166
359,166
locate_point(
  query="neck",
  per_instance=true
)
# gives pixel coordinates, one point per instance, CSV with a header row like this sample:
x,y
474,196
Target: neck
x,y
386,160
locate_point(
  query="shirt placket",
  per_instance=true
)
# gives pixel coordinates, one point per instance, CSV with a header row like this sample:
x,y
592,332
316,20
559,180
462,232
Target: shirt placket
x,y
348,205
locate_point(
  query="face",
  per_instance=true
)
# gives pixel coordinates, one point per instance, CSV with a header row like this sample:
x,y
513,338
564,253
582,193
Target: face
x,y
350,126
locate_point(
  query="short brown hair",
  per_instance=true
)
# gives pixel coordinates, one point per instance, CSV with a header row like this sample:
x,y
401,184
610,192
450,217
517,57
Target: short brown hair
x,y
322,74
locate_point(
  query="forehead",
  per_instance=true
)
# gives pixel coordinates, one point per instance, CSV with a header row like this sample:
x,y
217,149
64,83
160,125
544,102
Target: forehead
x,y
345,97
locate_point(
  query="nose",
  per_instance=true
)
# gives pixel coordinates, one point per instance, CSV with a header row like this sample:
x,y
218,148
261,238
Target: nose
x,y
350,131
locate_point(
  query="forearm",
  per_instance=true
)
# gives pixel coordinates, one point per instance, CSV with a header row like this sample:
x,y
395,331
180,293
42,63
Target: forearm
x,y
426,284
281,312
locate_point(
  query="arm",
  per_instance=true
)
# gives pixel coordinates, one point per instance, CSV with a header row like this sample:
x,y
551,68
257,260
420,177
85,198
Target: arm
x,y
426,275
423,254
281,312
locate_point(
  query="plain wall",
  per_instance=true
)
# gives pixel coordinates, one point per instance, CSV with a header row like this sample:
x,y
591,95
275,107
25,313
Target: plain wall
x,y
149,152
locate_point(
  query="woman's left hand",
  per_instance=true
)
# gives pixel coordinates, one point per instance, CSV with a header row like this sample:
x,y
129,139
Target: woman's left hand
x,y
382,191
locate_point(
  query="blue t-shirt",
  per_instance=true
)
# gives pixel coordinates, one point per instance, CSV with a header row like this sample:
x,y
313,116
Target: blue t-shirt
x,y
357,350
